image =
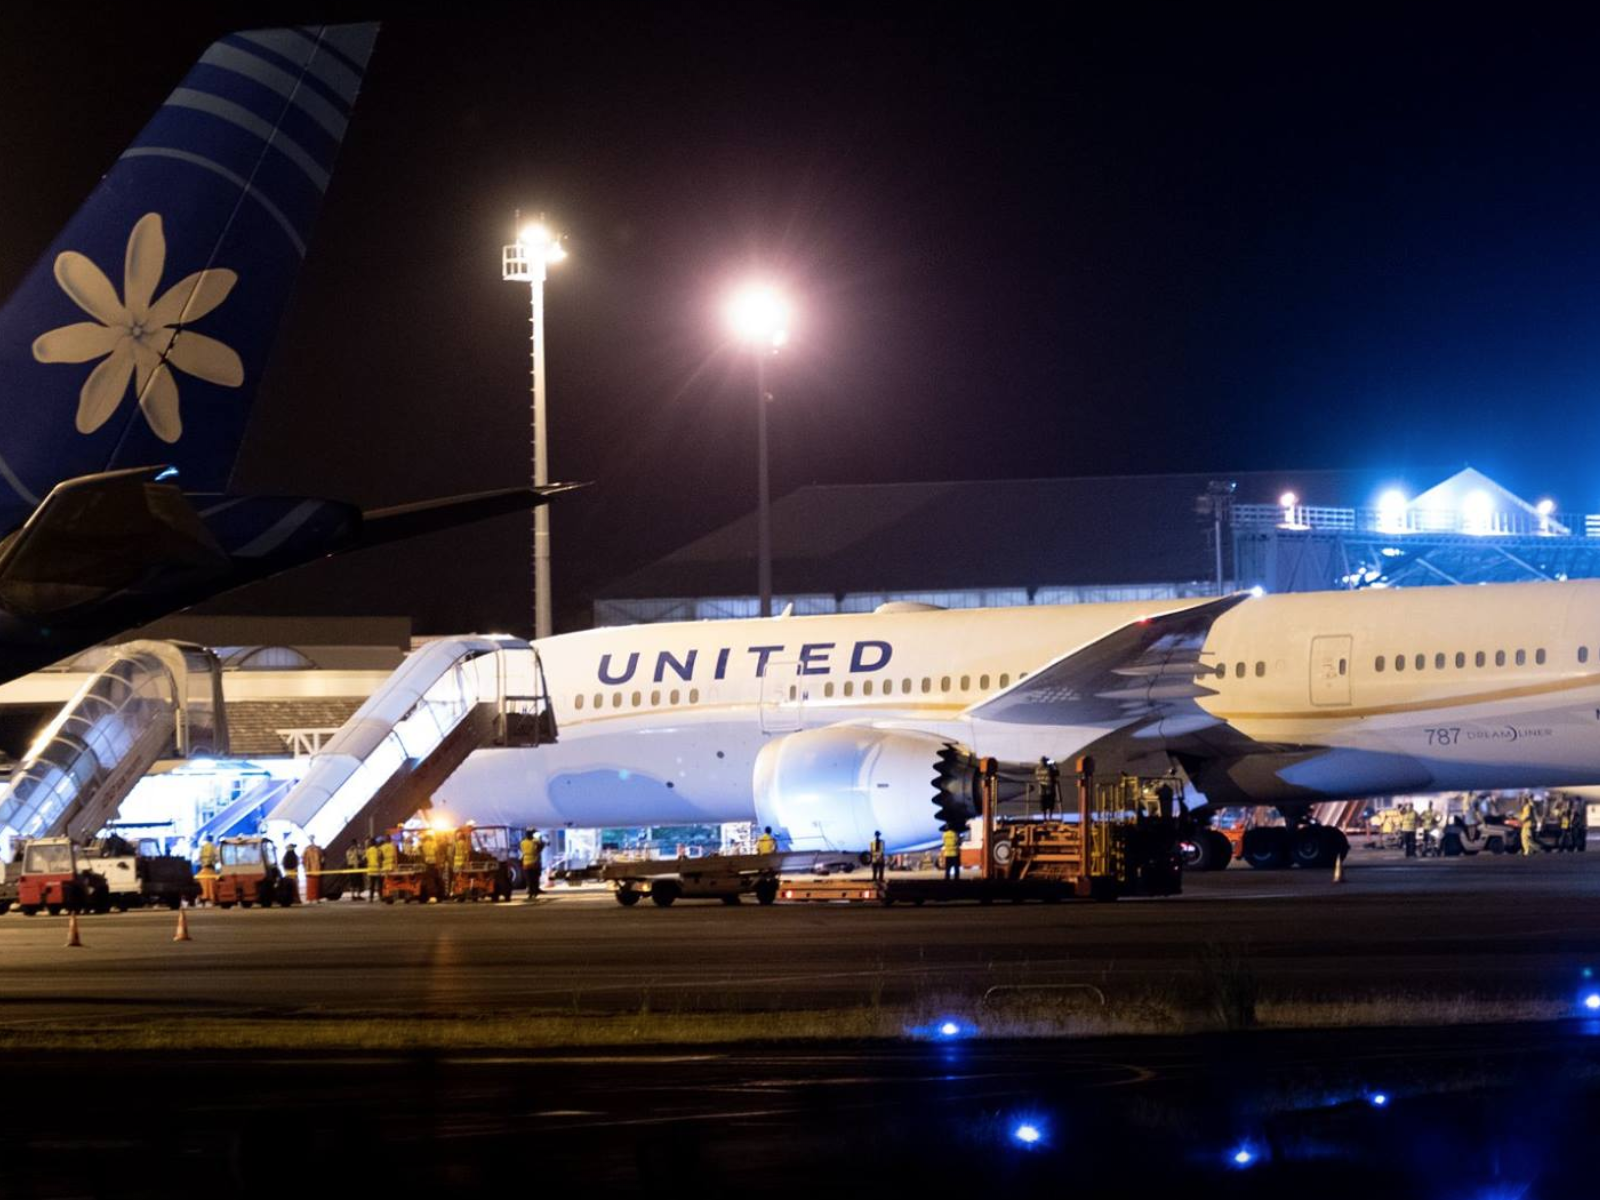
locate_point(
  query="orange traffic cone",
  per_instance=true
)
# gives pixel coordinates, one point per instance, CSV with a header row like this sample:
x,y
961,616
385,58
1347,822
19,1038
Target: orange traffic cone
x,y
1338,869
72,931
183,928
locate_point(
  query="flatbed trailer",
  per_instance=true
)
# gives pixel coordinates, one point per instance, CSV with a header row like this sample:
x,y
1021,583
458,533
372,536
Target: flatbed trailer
x,y
725,877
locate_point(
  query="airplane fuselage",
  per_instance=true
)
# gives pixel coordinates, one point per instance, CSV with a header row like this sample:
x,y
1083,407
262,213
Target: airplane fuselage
x,y
1499,688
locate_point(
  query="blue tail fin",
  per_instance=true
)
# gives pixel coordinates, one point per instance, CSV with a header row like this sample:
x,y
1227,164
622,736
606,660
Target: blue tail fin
x,y
140,337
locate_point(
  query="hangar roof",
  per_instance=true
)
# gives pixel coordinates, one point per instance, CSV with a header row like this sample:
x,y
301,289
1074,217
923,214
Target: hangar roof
x,y
982,533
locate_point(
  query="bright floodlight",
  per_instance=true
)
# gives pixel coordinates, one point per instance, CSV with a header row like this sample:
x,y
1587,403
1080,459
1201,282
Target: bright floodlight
x,y
1379,1099
1243,1156
1477,508
538,239
1028,1135
1592,1002
1288,500
1392,511
949,1029
759,316
1546,507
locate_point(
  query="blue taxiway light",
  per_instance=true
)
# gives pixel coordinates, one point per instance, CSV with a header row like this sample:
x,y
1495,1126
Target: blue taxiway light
x,y
1379,1099
949,1029
1592,1001
1027,1134
1243,1156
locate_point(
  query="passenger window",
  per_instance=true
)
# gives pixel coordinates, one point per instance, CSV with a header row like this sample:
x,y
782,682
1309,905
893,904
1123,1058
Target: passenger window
x,y
983,683
1522,658
1238,670
927,685
1499,658
966,683
616,699
1438,662
944,684
655,699
1261,668
694,695
866,687
849,688
793,691
674,696
599,700
1422,661
905,687
577,702
827,690
1399,662
636,699
1583,654
1478,659
1461,659
1005,681
1377,663
1538,657
1344,666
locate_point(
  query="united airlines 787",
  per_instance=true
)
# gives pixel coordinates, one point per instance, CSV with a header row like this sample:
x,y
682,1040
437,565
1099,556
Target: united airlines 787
x,y
830,727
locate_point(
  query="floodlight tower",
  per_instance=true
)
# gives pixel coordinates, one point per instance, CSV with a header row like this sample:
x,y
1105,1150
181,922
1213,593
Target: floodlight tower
x,y
758,315
527,260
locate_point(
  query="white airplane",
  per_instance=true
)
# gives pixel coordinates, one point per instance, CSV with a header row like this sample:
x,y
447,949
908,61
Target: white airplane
x,y
830,727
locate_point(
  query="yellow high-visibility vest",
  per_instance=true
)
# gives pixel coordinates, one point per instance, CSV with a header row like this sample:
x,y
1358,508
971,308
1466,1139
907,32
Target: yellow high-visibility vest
x,y
372,859
952,843
530,853
766,844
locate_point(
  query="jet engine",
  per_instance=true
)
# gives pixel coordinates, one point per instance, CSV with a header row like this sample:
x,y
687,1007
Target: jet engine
x,y
829,789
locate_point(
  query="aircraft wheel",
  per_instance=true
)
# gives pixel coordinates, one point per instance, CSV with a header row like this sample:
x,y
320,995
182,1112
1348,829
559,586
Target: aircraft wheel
x,y
1267,849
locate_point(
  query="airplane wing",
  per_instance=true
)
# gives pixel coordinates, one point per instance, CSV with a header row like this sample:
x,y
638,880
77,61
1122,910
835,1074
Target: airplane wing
x,y
1144,670
379,525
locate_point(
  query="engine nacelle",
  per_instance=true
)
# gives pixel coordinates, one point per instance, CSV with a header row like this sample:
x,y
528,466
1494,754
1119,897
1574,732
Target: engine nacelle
x,y
828,789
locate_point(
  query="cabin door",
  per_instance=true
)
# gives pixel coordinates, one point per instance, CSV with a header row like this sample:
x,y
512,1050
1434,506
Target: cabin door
x,y
1330,670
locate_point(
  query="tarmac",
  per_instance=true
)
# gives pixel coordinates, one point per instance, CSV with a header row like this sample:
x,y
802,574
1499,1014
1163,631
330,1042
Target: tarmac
x,y
1483,1109
1486,926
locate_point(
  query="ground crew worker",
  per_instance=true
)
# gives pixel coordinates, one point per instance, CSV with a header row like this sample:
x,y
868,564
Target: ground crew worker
x,y
389,854
313,863
208,883
532,860
430,849
1047,777
1566,825
766,843
875,853
291,868
463,850
1408,828
374,865
208,854
950,851
1526,817
352,863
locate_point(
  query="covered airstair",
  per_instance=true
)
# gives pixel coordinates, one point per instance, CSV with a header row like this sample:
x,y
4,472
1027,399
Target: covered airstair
x,y
447,699
151,701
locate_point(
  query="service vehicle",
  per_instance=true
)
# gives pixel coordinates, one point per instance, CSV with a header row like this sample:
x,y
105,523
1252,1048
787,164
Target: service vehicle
x,y
56,876
248,873
487,874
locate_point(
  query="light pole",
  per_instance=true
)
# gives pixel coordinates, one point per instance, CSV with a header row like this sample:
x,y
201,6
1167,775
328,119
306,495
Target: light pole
x,y
759,317
526,261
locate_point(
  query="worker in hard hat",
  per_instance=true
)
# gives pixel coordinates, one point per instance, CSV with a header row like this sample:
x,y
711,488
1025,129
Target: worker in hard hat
x,y
462,851
766,843
1047,778
388,854
1408,828
208,871
374,865
1528,820
950,852
875,855
532,860
208,853
353,858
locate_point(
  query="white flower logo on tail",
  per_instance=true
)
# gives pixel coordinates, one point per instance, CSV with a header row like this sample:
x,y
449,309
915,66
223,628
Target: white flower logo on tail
x,y
138,337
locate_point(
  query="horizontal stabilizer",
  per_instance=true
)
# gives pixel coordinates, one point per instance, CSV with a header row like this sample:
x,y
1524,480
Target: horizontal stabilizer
x,y
382,525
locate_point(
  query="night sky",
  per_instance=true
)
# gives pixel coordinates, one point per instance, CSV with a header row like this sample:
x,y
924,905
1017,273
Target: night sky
x,y
1019,245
